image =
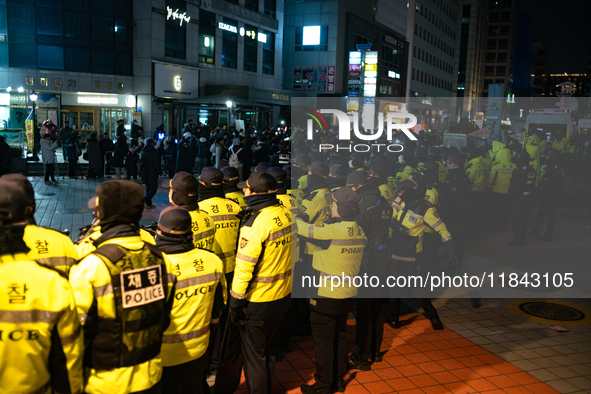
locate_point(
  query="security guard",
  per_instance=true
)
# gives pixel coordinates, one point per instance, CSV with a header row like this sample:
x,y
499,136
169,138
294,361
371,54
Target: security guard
x,y
124,292
341,245
337,177
374,218
453,200
498,183
412,214
551,189
198,304
183,192
47,247
223,212
261,290
378,174
41,344
520,197
232,191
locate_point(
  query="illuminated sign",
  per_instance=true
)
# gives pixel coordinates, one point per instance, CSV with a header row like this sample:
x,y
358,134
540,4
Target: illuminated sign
x,y
176,15
311,35
393,74
177,82
371,67
101,100
370,75
130,101
225,26
262,37
354,57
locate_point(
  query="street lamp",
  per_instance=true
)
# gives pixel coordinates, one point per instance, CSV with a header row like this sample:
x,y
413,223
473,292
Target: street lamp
x,y
229,104
33,97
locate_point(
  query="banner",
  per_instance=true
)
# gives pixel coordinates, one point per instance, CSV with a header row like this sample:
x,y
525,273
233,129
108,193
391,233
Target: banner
x,y
518,136
480,133
29,130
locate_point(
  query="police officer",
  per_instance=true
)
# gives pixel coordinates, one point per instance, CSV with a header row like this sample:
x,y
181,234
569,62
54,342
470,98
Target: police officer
x,y
231,190
431,240
47,247
337,177
434,155
41,345
261,290
499,179
453,201
378,174
198,304
374,218
408,164
300,166
184,192
224,213
282,157
123,292
476,173
520,197
551,189
280,176
412,214
342,243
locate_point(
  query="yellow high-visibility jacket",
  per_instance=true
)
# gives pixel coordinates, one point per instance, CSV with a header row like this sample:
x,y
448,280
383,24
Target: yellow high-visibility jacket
x,y
38,321
50,248
263,261
199,273
501,173
86,246
238,198
223,213
91,282
402,175
318,211
346,243
203,229
476,173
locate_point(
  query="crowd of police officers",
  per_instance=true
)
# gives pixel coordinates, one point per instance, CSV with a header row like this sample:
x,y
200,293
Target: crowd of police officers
x,y
126,310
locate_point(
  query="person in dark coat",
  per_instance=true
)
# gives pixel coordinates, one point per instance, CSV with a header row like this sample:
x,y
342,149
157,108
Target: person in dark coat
x,y
183,156
107,146
73,151
95,158
131,161
170,154
118,160
5,157
150,170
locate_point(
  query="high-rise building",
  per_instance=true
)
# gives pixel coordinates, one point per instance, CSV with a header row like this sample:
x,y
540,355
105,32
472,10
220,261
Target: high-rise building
x,y
432,36
470,57
501,40
578,84
319,36
540,69
588,87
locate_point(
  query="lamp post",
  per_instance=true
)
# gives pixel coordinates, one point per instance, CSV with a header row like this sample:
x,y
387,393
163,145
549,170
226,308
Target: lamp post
x,y
33,97
229,104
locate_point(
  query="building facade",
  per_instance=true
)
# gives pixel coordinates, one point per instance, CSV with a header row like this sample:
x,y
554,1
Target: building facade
x,y
94,62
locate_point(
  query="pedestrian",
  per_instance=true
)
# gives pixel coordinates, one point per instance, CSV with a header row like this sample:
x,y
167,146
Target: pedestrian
x,y
261,293
73,150
236,156
149,170
28,365
203,153
5,157
118,160
131,161
107,148
51,128
136,133
120,128
170,156
120,357
194,312
329,307
63,135
183,157
48,156
94,157
520,197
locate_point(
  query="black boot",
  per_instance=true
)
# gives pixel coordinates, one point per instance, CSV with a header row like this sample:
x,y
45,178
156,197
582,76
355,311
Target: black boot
x,y
436,323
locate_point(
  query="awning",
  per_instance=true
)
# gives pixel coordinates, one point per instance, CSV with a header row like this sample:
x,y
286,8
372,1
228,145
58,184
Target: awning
x,y
218,102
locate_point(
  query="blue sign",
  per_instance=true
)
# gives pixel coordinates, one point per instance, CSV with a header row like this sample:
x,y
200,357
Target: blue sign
x,y
363,47
139,109
369,100
353,93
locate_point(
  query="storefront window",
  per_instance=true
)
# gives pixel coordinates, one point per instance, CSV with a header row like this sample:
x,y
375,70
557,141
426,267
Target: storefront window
x,y
206,37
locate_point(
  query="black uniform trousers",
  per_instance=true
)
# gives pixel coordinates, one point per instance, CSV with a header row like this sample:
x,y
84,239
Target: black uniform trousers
x,y
330,341
547,216
187,378
406,268
499,211
217,330
258,354
521,213
151,188
430,258
369,328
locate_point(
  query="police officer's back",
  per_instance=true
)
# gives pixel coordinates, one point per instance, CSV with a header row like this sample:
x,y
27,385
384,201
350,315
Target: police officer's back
x,y
123,292
47,247
520,197
198,303
41,344
231,190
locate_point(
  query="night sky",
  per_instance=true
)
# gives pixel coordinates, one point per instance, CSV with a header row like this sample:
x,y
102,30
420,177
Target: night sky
x,y
566,27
